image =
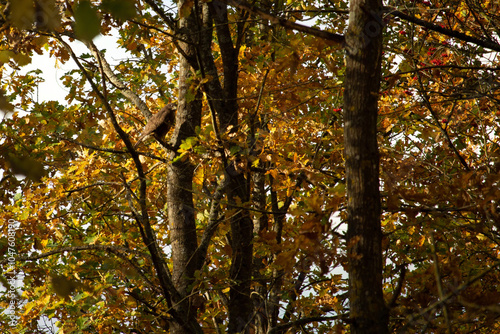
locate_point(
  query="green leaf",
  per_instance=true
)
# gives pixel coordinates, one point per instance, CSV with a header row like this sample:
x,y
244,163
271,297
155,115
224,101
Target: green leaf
x,y
87,21
24,214
234,150
189,143
90,239
179,157
120,9
185,8
190,95
200,150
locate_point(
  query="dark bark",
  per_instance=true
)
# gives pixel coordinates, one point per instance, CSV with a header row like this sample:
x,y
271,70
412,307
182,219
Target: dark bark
x,y
224,101
260,224
368,312
275,291
240,304
228,110
181,212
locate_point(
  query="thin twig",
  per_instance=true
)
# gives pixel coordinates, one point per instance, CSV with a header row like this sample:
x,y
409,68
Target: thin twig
x,y
78,248
446,297
336,38
439,283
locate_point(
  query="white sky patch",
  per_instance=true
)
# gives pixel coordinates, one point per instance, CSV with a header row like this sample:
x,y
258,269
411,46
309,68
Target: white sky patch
x,y
52,89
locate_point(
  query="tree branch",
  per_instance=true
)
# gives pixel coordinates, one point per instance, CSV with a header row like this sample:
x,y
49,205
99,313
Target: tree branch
x,y
109,150
445,298
300,322
439,282
435,117
399,287
168,290
336,38
110,248
489,44
213,221
127,92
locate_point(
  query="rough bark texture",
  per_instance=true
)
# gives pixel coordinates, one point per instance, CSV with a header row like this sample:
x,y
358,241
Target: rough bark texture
x,y
260,224
221,92
238,192
240,304
368,312
181,212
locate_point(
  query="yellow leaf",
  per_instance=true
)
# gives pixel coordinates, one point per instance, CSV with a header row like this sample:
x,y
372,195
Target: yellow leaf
x,y
273,172
28,307
421,240
411,230
481,236
58,234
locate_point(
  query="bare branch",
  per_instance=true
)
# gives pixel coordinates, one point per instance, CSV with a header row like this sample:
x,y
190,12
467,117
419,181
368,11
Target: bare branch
x,y
300,322
399,287
449,295
439,284
435,117
127,92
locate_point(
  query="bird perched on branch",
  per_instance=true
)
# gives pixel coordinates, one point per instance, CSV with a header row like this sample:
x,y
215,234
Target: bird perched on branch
x,y
159,124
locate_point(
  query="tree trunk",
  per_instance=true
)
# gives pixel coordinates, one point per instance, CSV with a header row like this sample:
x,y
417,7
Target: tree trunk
x,y
368,311
238,191
181,212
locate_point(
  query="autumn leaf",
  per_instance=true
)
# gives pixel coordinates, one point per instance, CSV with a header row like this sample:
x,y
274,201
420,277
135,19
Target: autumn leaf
x,y
133,239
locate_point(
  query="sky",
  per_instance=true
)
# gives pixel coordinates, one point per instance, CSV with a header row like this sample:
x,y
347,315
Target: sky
x,y
52,88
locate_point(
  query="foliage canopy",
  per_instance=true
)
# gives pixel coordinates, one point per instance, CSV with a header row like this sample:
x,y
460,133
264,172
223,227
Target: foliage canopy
x,y
254,238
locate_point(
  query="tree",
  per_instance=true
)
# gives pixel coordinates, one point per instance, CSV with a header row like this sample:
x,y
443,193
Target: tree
x,y
368,311
236,222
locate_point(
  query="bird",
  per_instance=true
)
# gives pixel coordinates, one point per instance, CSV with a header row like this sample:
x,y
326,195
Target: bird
x,y
159,124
